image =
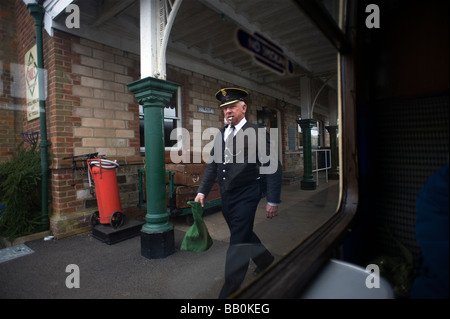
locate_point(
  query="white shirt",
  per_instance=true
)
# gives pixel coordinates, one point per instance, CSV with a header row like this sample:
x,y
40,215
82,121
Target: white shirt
x,y
236,128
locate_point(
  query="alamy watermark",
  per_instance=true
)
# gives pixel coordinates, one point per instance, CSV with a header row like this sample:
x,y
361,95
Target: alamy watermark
x,y
373,279
251,146
73,280
73,18
373,19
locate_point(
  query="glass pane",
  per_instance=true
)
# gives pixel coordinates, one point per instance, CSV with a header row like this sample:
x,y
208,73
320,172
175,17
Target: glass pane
x,y
287,65
141,134
290,71
169,125
171,109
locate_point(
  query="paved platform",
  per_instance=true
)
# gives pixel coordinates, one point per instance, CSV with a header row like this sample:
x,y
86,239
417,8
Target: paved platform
x,y
119,271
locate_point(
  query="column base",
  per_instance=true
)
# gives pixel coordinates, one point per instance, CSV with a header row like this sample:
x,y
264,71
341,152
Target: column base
x,y
308,185
157,245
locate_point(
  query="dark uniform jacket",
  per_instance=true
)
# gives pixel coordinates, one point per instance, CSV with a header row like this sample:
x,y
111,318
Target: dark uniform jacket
x,y
241,166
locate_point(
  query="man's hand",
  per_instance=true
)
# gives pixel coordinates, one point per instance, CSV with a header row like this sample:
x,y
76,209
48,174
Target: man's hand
x,y
271,211
200,198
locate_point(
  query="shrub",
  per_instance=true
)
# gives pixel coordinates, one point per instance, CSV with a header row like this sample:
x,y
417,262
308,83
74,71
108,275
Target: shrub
x,y
20,193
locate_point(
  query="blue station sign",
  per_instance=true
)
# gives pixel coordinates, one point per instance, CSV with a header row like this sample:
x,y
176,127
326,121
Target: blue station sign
x,y
265,52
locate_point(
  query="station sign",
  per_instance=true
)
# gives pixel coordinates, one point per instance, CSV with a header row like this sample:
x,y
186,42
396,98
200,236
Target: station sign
x,y
265,52
205,109
32,83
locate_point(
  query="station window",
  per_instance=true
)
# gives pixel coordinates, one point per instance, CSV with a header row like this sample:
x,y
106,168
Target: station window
x,y
316,136
172,120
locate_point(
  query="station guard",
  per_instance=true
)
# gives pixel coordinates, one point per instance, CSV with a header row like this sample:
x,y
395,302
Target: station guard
x,y
242,186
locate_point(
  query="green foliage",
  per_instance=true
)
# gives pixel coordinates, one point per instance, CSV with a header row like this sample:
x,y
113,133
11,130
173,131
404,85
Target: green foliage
x,y
398,270
20,193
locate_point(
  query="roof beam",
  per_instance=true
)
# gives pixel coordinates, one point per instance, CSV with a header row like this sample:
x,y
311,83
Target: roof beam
x,y
108,13
228,11
325,22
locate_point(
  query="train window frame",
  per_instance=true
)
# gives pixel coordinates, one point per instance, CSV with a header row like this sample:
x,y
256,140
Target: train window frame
x,y
288,277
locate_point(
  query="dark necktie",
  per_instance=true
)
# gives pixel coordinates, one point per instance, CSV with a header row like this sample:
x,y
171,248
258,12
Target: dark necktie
x,y
230,132
229,145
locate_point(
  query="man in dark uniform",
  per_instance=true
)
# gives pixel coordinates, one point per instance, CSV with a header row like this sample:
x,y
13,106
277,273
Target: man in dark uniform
x,y
243,180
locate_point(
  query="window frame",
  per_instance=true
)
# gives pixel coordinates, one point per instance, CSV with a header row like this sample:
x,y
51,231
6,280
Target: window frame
x,y
177,118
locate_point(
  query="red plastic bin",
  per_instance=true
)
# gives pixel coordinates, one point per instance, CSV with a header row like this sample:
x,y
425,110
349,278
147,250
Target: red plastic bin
x,y
103,173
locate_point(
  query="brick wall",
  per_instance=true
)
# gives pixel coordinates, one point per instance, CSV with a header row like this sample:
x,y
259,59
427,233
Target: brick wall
x,y
10,105
92,111
107,110
292,159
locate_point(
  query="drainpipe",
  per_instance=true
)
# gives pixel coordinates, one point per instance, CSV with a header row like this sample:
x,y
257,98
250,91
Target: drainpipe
x,y
37,12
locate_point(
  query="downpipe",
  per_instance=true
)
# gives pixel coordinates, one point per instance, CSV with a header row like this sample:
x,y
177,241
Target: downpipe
x,y
37,12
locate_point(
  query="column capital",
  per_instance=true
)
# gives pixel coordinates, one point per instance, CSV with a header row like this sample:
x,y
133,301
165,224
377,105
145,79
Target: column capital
x,y
331,128
151,91
307,123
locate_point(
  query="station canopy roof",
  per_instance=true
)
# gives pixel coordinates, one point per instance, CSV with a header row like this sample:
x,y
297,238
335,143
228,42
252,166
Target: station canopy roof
x,y
263,45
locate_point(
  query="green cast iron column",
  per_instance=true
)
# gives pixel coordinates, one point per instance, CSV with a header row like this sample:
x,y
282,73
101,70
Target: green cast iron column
x,y
37,12
334,172
157,236
308,182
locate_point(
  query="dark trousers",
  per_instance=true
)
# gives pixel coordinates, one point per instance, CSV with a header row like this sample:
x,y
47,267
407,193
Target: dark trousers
x,y
239,208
